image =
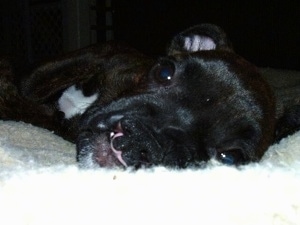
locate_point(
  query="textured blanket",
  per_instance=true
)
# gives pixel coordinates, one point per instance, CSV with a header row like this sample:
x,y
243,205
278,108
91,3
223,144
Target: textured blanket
x,y
40,184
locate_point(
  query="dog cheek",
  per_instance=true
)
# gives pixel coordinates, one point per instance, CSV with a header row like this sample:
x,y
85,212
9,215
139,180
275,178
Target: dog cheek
x,y
180,157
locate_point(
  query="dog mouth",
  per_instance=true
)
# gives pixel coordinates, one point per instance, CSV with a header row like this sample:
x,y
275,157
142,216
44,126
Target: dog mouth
x,y
131,144
118,153
105,152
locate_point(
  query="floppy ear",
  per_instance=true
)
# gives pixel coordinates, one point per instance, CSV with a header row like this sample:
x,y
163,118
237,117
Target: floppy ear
x,y
200,38
115,67
51,78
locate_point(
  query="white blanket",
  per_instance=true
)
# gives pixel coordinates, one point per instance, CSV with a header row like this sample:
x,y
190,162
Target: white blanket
x,y
40,184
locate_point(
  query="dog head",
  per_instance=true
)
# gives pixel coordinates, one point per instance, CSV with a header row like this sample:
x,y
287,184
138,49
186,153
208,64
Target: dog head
x,y
201,101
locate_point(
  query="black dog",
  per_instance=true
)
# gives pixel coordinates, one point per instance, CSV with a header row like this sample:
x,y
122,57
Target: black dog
x,y
124,109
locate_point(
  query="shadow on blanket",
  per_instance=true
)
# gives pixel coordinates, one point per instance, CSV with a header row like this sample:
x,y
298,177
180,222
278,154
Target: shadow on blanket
x,y
40,184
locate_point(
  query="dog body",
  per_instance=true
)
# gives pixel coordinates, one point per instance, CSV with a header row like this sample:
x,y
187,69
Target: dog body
x,y
123,109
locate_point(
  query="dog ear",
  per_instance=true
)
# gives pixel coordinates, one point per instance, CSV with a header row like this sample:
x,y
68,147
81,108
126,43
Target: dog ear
x,y
51,78
199,38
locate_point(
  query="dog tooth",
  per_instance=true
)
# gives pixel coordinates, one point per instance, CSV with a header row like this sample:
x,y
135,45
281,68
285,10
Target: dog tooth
x,y
112,134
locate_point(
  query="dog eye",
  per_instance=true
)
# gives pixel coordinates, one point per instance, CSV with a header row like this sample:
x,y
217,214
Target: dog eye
x,y
164,73
231,157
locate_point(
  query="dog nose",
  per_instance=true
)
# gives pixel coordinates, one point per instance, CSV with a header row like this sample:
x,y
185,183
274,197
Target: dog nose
x,y
109,122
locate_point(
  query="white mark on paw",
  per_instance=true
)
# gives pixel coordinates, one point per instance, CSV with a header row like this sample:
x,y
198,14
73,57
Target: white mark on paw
x,y
198,43
73,102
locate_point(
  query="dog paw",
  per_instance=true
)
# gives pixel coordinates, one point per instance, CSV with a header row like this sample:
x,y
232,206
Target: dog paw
x,y
198,43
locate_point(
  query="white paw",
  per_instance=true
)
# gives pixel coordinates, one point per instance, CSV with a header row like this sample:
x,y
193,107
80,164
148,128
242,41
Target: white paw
x,y
198,43
73,102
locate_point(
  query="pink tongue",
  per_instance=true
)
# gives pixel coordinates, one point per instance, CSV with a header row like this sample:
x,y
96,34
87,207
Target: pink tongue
x,y
117,153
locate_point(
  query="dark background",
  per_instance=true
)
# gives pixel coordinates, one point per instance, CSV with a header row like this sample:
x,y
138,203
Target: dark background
x,y
265,32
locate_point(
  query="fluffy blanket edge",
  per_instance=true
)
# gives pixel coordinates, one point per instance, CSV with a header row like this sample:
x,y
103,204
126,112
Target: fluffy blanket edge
x,y
41,185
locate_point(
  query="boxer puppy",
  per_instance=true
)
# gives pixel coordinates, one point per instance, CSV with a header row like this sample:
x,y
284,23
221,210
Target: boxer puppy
x,y
123,109
201,101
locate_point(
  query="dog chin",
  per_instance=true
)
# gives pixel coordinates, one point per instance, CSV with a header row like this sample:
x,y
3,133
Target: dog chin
x,y
101,152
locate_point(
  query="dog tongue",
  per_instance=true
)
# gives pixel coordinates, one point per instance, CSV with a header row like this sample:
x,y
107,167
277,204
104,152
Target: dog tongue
x,y
117,153
107,155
